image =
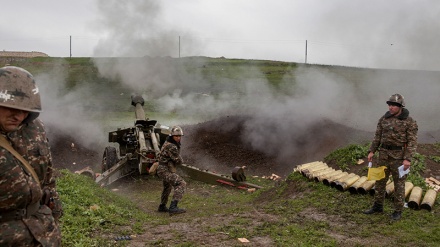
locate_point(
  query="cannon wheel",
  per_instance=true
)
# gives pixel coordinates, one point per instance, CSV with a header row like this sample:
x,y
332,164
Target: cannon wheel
x,y
109,159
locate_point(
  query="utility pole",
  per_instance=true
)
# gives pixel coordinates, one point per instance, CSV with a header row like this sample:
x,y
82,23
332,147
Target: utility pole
x,y
306,52
70,46
179,46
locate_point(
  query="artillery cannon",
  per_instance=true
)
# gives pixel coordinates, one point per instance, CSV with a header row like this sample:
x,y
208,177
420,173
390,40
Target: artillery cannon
x,y
139,147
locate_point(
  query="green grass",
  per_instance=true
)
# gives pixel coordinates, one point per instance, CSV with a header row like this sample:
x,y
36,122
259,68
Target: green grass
x,y
323,211
435,158
91,212
417,167
295,212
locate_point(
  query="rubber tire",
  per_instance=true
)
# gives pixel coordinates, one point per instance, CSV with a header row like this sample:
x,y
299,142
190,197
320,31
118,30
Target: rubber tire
x,y
109,158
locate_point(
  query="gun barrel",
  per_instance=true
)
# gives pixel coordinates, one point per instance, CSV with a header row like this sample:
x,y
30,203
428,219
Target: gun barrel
x,y
140,113
138,102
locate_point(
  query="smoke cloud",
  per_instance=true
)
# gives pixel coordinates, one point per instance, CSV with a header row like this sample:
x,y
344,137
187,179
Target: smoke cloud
x,y
66,112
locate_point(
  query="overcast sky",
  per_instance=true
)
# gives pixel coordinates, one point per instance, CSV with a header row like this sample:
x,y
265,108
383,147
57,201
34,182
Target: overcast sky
x,y
401,34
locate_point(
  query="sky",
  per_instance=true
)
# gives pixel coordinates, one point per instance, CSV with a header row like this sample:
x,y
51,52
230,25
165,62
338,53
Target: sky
x,y
396,34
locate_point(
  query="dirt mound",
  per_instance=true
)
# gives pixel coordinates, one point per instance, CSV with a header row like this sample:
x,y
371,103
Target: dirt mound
x,y
220,145
69,153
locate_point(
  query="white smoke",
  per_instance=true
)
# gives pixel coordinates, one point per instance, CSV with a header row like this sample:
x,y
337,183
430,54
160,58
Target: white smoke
x,y
66,112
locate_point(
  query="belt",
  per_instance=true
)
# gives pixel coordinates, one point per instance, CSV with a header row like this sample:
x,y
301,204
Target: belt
x,y
19,214
390,147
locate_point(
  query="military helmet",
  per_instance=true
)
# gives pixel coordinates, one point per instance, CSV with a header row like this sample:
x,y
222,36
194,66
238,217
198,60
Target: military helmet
x,y
176,131
19,91
396,99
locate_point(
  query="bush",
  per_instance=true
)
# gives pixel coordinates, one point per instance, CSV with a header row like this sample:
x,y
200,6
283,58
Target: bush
x,y
344,157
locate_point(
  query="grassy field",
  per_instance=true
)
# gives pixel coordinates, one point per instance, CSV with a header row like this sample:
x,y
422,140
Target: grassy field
x,y
294,212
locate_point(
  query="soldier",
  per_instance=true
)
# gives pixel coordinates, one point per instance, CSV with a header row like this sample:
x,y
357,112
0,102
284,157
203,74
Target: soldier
x,y
29,203
169,158
396,141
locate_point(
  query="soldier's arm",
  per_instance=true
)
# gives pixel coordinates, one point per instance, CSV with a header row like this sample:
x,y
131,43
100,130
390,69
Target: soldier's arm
x,y
377,137
50,195
175,155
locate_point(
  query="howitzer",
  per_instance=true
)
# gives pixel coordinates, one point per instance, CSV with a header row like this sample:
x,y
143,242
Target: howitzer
x,y
139,147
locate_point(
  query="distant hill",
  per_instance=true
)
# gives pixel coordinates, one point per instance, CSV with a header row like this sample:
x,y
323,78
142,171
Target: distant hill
x,y
9,57
22,54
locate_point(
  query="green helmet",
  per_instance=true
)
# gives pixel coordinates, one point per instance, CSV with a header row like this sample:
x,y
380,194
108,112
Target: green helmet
x,y
396,99
176,131
19,91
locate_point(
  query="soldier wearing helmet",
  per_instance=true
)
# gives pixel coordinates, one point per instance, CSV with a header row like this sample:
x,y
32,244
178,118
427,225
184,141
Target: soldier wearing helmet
x,y
29,205
169,158
396,141
397,100
176,131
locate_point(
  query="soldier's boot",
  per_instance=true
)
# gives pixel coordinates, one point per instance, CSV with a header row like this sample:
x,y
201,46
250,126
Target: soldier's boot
x,y
162,208
396,215
377,208
174,209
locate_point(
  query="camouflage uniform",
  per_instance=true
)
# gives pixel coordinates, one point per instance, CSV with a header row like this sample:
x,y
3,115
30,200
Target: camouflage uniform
x,y
169,158
391,134
19,191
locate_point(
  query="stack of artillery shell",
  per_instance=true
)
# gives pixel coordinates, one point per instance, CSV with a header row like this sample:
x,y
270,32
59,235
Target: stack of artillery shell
x,y
327,175
428,199
366,187
338,180
312,175
342,184
307,165
372,191
389,189
319,171
408,187
328,180
353,189
415,197
308,170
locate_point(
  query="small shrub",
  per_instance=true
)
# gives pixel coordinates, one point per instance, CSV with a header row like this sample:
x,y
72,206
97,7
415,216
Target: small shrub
x,y
435,158
344,157
418,165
